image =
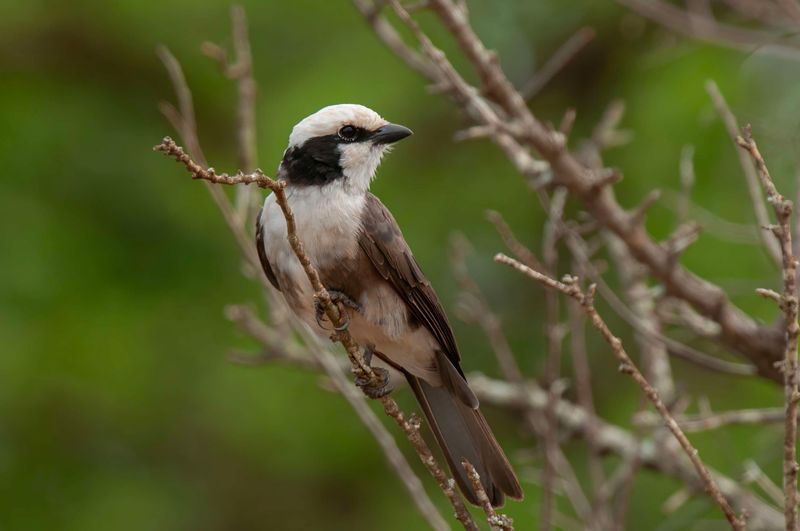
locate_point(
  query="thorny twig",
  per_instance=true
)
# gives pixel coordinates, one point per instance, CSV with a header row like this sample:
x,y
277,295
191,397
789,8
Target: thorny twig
x,y
570,287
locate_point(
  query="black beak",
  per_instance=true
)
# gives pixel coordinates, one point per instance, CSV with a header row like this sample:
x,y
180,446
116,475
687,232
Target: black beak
x,y
390,133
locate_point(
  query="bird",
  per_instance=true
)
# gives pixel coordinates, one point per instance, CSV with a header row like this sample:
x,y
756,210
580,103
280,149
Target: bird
x,y
367,267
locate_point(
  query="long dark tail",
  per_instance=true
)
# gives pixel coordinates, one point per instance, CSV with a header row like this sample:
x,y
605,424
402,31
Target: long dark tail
x,y
462,433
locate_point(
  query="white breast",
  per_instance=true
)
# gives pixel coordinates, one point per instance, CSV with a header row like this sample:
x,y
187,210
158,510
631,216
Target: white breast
x,y
328,220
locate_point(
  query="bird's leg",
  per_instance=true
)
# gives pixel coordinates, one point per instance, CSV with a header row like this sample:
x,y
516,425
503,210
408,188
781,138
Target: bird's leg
x,y
344,302
371,389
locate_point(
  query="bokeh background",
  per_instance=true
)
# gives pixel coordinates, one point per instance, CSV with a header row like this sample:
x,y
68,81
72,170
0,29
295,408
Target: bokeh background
x,y
119,408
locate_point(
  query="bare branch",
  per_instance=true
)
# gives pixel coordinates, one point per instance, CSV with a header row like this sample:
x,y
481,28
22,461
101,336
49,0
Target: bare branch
x,y
788,305
569,287
497,522
171,149
372,13
242,71
675,348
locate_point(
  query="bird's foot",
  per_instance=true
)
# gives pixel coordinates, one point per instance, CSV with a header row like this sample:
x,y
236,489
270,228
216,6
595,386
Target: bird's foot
x,y
344,302
369,387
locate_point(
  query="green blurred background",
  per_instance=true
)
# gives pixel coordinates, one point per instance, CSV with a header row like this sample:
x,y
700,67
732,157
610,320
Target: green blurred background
x,y
118,406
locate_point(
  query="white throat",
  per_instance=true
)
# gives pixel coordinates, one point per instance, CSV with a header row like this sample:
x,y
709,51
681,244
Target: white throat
x,y
328,219
359,164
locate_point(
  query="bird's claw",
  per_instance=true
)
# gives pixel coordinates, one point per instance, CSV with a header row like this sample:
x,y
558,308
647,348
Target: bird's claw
x,y
370,388
342,327
337,297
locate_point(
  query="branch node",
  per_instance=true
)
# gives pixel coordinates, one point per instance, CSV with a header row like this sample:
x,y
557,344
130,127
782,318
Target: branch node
x,y
769,294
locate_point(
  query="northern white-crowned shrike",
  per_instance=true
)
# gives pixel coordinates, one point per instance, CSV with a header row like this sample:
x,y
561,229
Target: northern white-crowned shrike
x,y
366,264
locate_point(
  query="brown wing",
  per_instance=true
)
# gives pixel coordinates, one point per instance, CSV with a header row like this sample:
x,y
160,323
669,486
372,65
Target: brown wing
x,y
262,254
383,242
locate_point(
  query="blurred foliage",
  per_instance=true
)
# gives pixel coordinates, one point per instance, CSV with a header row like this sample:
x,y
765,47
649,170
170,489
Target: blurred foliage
x,y
118,407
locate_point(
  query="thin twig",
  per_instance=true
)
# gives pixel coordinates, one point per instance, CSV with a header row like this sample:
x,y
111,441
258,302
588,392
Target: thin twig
x,y
497,522
570,288
788,305
754,474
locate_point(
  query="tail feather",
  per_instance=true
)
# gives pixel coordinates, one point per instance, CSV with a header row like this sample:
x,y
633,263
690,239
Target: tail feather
x,y
462,433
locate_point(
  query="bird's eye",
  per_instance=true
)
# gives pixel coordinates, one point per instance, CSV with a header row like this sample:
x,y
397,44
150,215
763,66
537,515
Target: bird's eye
x,y
348,132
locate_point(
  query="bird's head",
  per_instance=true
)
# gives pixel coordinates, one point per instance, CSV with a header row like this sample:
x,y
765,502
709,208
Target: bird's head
x,y
340,143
